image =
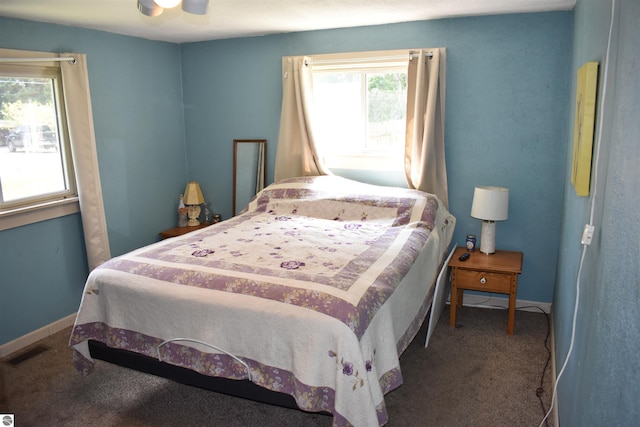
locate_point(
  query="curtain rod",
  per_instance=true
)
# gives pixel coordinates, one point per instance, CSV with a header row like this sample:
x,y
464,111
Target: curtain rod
x,y
416,54
52,59
370,59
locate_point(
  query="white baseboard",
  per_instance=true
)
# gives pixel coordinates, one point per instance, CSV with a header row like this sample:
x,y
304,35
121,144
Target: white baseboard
x,y
494,301
37,335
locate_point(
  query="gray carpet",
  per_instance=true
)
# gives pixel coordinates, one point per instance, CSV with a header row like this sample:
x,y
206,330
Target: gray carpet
x,y
471,375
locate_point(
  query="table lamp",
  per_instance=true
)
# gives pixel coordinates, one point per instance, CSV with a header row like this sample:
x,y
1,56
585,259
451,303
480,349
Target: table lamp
x,y
193,199
490,204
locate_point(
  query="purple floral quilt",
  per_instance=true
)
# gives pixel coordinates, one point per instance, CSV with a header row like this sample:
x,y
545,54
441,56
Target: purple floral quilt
x,y
314,290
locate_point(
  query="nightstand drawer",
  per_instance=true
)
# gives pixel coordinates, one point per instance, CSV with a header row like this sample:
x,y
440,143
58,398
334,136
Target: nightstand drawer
x,y
481,281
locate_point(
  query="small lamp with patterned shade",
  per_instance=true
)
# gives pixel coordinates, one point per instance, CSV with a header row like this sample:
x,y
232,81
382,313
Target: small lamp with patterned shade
x,y
193,199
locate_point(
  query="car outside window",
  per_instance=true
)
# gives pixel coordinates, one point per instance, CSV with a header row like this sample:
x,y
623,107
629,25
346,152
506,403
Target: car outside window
x,y
32,138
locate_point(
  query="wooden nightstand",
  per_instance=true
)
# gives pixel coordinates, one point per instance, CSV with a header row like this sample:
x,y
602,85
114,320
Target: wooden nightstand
x,y
497,273
179,231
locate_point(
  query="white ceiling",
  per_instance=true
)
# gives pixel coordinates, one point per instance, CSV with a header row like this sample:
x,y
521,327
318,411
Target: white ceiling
x,y
244,18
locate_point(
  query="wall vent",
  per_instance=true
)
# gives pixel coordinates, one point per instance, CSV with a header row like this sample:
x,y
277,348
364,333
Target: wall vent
x,y
18,359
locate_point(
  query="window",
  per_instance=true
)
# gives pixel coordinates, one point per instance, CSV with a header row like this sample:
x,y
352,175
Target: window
x,y
35,158
359,112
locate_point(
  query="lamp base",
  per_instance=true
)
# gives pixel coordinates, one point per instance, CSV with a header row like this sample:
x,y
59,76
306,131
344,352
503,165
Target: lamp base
x,y
194,213
488,237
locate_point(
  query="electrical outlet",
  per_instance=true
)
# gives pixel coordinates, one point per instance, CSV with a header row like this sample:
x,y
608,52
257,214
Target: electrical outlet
x,y
587,234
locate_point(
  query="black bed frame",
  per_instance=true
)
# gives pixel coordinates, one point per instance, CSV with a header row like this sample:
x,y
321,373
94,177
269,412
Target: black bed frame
x,y
238,388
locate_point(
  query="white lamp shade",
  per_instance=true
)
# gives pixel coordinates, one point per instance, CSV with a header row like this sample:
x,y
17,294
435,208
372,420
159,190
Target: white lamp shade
x,y
193,194
167,4
149,8
490,203
197,7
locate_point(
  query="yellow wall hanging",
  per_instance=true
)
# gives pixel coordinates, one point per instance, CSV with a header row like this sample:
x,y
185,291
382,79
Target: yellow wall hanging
x,y
584,127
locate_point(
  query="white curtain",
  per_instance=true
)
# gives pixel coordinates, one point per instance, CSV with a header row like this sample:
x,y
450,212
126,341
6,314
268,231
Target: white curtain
x,y
297,154
424,162
75,82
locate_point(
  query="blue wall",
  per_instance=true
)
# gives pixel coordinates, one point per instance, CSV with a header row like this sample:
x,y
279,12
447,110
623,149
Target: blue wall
x,y
43,268
139,128
601,383
506,118
507,124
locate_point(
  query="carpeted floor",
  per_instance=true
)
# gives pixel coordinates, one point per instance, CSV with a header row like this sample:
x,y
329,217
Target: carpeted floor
x,y
471,375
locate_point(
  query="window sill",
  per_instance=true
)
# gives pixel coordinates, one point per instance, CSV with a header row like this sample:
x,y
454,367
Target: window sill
x,y
365,161
36,213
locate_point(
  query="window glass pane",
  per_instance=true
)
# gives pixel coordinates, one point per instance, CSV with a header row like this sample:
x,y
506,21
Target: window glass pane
x,y
338,111
387,105
32,160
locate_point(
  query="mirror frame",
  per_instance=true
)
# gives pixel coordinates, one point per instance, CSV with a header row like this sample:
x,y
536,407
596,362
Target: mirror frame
x,y
236,143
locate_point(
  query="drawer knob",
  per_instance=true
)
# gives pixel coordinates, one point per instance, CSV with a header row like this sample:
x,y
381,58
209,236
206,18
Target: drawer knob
x,y
483,280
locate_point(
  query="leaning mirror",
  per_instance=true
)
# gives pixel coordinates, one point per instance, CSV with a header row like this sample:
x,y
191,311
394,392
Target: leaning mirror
x,y
249,170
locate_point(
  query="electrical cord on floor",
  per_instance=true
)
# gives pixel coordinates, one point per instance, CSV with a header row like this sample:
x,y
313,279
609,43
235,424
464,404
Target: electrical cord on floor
x,y
540,389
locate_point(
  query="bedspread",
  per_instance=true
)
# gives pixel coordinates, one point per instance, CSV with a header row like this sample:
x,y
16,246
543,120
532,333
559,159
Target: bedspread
x,y
316,287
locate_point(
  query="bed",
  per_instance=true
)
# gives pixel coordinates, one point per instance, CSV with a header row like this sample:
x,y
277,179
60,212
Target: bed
x,y
312,292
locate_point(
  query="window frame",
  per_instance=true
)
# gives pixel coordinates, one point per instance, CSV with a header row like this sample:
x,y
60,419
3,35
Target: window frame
x,y
41,207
